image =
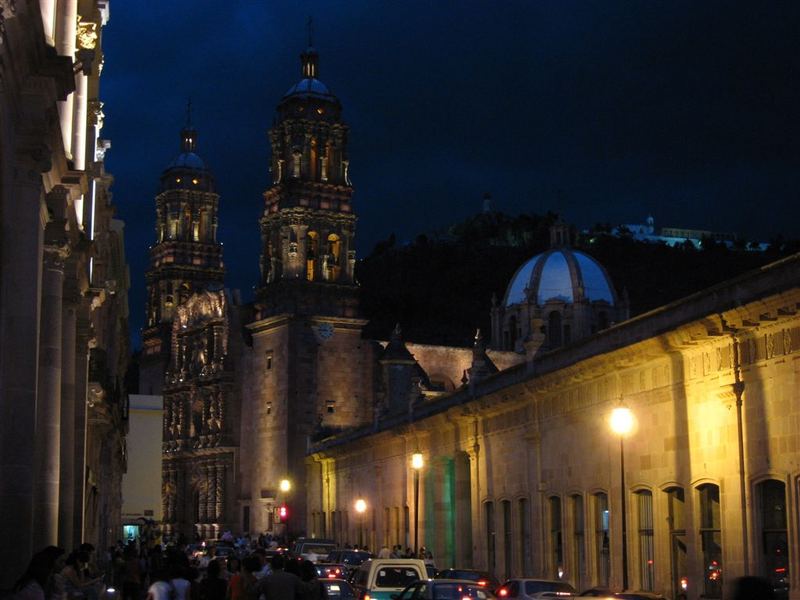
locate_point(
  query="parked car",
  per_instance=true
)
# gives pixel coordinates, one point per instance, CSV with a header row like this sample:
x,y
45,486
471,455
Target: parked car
x,y
338,589
331,571
607,594
314,549
351,558
379,578
482,578
530,589
444,589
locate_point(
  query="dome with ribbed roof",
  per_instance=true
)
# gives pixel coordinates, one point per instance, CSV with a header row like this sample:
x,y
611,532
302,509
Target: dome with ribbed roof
x,y
563,275
188,170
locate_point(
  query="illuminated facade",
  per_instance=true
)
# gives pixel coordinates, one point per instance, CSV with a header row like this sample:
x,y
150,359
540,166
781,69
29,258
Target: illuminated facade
x,y
63,291
186,257
522,469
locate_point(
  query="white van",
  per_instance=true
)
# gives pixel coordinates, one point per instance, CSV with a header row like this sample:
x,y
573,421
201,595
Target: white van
x,y
379,578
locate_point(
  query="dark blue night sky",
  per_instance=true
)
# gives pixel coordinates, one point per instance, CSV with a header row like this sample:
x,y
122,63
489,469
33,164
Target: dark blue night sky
x,y
602,111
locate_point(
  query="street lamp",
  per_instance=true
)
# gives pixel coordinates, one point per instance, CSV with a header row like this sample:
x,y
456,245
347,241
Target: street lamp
x,y
361,508
285,485
417,462
622,423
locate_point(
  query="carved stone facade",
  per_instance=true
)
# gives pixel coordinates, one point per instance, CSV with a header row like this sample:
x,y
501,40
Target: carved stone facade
x,y
200,433
63,290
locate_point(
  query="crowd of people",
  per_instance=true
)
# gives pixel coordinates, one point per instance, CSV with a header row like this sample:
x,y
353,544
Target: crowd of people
x,y
172,573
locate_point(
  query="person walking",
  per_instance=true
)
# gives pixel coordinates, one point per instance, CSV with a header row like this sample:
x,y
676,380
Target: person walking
x,y
213,587
242,585
311,587
279,585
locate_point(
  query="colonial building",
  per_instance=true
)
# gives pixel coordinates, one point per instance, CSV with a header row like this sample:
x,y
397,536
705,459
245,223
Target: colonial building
x,y
523,475
63,290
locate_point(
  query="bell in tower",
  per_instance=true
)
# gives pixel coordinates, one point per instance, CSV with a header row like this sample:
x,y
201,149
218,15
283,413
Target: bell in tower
x,y
308,224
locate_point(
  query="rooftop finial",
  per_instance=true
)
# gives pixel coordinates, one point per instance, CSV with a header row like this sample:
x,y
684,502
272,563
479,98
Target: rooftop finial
x,y
309,58
189,113
188,133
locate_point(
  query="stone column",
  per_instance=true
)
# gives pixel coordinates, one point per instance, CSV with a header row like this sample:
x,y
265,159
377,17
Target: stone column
x,y
66,496
166,492
203,516
212,493
65,45
220,475
83,334
21,235
48,400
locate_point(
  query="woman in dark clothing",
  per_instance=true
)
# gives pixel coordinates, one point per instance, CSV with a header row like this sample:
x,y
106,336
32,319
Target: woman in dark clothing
x,y
312,587
213,587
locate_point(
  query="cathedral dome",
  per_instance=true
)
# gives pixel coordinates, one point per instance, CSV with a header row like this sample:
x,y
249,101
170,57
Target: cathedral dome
x,y
188,170
188,160
563,275
310,86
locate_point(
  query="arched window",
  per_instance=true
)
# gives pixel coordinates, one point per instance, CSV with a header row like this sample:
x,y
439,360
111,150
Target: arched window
x,y
334,252
578,537
312,250
554,329
508,533
601,536
711,537
313,157
644,510
556,538
204,226
771,495
676,522
491,556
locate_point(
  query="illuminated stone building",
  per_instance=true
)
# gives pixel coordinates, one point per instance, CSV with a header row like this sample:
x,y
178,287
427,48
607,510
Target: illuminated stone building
x,y
63,290
186,257
522,472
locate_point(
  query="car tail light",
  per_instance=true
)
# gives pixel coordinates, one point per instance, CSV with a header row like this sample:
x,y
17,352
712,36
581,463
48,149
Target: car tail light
x,y
482,582
502,592
331,575
466,598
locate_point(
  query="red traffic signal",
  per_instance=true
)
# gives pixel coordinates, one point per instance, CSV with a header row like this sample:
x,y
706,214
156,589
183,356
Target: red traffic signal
x,y
282,513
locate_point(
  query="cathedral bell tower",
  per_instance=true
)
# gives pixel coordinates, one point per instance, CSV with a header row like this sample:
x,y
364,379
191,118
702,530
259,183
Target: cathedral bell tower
x,y
308,362
307,227
186,257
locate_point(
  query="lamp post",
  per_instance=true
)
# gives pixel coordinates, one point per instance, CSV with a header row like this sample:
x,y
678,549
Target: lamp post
x,y
417,463
621,424
361,508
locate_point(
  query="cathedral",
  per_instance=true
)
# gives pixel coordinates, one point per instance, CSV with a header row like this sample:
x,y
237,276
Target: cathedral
x,y
499,456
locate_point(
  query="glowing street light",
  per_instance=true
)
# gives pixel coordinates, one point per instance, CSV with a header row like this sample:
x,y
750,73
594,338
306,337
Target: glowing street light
x,y
622,422
285,485
417,463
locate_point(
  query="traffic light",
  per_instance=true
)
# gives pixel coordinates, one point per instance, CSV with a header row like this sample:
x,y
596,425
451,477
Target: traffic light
x,y
282,513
